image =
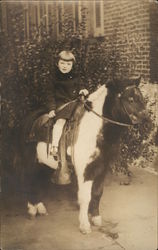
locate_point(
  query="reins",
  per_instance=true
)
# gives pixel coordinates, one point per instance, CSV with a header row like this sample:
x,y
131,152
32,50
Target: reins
x,y
105,119
83,101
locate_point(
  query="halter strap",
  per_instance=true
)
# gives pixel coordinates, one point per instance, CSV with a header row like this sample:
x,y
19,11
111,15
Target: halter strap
x,y
128,87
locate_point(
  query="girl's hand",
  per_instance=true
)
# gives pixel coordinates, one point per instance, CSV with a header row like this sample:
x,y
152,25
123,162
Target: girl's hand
x,y
51,114
84,92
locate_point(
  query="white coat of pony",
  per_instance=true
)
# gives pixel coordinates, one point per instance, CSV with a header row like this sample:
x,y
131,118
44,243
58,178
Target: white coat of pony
x,y
84,150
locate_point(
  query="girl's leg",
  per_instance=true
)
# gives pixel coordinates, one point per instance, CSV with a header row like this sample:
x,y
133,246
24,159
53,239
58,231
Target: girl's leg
x,y
56,134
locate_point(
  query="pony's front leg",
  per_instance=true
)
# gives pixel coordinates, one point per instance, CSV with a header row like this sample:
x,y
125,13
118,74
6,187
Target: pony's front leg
x,y
84,197
97,190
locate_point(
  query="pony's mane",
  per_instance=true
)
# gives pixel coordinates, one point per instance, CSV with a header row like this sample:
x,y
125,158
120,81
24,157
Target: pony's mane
x,y
96,94
97,98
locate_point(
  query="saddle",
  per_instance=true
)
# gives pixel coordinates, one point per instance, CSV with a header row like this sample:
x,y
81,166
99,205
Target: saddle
x,y
41,130
66,148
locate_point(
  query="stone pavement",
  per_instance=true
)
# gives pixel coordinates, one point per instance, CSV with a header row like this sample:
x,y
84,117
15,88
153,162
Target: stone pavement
x,y
128,211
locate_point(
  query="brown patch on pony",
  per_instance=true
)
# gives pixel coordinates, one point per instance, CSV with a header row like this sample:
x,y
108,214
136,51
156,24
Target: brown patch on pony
x,y
68,138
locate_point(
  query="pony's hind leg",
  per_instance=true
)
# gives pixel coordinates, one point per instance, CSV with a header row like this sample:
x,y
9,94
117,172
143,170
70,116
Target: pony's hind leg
x,y
35,192
84,197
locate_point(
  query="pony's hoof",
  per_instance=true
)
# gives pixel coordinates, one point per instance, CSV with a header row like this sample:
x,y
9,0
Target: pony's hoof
x,y
32,210
97,220
85,229
41,209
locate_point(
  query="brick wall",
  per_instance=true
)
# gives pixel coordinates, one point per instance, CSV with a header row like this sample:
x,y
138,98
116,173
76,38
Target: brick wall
x,y
127,29
154,41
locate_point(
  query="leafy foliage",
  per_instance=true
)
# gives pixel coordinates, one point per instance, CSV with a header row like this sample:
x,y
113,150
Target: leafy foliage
x,y
26,66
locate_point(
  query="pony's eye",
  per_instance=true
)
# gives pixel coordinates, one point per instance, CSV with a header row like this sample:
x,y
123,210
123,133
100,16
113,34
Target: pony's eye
x,y
131,99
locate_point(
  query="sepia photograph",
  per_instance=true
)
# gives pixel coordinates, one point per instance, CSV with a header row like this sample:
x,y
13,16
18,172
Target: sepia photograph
x,y
79,125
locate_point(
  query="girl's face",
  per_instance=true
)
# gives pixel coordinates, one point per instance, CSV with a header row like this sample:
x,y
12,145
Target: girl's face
x,y
65,66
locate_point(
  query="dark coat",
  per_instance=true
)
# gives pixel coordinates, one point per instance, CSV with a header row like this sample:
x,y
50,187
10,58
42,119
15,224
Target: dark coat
x,y
62,89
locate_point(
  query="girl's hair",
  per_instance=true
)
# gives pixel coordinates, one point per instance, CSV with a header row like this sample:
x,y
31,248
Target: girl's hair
x,y
66,55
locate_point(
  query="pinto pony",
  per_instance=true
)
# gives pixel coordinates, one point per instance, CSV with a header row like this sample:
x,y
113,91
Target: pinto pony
x,y
115,106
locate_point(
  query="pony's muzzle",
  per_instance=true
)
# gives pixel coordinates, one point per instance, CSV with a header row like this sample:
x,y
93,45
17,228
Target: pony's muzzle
x,y
139,117
144,115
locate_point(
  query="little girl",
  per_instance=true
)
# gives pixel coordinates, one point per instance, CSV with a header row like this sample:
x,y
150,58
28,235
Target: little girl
x,y
64,88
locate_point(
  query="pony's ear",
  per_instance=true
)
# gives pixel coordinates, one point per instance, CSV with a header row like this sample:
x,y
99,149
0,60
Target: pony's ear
x,y
137,81
113,85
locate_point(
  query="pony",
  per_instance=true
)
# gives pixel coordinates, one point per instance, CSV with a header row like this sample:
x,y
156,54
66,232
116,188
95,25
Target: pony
x,y
115,106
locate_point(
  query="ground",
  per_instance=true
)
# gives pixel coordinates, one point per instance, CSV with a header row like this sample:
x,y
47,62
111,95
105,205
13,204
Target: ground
x,y
129,218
